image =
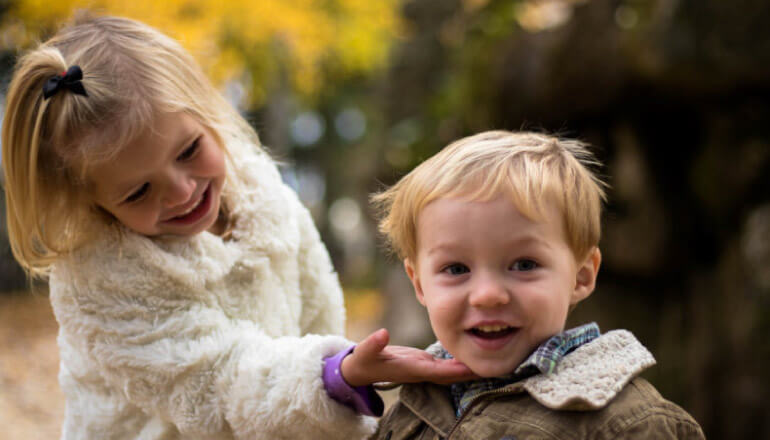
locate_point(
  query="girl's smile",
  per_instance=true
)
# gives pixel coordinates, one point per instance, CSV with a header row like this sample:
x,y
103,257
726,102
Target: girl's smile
x,y
167,181
198,209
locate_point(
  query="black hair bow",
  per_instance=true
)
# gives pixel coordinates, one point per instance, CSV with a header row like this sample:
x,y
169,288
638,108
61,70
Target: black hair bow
x,y
69,80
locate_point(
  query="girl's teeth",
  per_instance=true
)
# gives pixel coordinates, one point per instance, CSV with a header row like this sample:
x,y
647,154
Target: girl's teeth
x,y
191,209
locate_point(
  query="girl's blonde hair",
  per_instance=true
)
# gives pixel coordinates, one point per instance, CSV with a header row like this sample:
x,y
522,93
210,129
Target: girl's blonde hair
x,y
131,73
532,169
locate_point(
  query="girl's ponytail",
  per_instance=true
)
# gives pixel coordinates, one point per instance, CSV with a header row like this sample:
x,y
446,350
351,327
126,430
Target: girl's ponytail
x,y
38,208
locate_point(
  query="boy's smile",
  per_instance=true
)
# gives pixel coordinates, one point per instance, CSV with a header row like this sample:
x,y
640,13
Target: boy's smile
x,y
496,284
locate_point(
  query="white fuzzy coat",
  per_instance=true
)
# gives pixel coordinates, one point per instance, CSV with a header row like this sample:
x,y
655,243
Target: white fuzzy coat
x,y
201,338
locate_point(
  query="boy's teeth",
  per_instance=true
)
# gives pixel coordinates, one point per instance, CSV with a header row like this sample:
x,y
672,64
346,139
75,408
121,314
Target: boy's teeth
x,y
491,328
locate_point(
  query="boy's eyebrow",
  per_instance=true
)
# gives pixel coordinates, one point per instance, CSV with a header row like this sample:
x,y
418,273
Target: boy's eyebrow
x,y
440,247
524,240
531,239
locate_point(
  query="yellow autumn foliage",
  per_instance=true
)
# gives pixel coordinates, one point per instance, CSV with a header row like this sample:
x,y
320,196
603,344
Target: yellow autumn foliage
x,y
259,41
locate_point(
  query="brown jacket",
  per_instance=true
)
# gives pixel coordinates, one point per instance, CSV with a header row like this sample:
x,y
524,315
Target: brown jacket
x,y
593,394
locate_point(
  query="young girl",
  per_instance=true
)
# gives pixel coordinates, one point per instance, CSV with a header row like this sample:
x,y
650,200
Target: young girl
x,y
190,285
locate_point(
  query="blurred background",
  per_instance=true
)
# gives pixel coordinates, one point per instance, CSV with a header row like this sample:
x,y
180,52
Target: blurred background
x,y
674,95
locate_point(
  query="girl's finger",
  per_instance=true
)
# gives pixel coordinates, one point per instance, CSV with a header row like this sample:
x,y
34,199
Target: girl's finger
x,y
373,344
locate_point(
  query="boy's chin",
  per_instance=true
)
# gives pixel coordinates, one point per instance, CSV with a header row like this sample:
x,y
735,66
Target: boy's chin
x,y
490,369
489,374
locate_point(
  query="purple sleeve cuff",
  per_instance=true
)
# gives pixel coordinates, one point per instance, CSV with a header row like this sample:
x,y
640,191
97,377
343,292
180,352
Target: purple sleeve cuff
x,y
363,399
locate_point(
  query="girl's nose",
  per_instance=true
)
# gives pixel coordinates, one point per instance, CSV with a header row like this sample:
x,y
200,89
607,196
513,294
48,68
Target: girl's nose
x,y
489,292
179,188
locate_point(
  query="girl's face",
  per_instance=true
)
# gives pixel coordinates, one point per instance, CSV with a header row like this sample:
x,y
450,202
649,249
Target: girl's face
x,y
167,181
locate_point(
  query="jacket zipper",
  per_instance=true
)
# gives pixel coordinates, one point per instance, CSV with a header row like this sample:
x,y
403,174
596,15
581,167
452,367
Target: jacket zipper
x,y
505,390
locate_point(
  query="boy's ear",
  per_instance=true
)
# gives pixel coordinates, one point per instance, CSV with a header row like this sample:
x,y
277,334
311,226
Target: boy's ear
x,y
411,272
585,279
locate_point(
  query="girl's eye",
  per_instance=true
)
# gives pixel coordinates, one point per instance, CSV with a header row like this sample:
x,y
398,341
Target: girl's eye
x,y
189,152
138,194
524,265
456,269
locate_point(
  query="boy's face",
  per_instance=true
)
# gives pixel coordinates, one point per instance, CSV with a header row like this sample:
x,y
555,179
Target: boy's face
x,y
496,284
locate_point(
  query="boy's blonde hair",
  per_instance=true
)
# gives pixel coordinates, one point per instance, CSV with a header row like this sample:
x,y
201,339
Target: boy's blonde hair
x,y
532,169
132,73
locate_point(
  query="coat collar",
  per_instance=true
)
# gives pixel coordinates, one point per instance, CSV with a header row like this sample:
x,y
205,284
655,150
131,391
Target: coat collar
x,y
586,379
593,374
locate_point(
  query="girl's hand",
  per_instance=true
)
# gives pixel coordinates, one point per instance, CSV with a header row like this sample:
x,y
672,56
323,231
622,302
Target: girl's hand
x,y
374,360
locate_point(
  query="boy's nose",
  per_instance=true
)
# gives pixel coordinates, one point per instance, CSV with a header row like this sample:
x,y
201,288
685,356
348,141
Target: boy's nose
x,y
489,292
179,189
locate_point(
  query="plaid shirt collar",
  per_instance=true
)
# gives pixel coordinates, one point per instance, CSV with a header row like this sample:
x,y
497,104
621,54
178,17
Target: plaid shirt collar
x,y
542,361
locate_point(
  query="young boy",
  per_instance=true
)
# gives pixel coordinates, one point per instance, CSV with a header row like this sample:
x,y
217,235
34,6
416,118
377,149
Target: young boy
x,y
498,233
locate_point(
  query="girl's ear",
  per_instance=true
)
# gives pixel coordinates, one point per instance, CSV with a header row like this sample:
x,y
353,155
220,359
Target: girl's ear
x,y
411,272
585,278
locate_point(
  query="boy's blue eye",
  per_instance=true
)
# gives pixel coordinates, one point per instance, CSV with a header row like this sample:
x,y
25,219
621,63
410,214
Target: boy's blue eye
x,y
189,152
524,265
456,269
138,194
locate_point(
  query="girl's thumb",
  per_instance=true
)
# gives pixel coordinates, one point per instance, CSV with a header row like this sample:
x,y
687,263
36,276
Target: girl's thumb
x,y
374,343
